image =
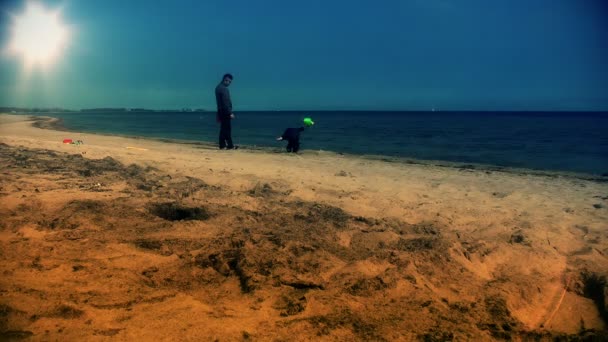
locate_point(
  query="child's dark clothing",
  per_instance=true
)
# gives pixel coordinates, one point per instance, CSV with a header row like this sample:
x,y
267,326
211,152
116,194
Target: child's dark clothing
x,y
292,135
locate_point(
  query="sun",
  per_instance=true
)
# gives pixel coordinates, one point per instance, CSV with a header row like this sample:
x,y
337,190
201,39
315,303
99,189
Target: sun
x,y
38,36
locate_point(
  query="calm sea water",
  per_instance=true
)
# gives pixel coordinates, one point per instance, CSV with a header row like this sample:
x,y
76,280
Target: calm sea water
x,y
546,141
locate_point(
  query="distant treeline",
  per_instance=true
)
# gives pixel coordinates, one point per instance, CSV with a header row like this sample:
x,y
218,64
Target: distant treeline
x,y
93,110
33,110
114,110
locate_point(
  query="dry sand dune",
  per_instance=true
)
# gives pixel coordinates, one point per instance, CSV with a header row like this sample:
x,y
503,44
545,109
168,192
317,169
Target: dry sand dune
x,y
133,239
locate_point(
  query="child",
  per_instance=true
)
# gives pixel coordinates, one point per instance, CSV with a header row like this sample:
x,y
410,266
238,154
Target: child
x,y
292,135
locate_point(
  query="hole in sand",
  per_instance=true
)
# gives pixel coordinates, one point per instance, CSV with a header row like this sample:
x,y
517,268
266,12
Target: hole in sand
x,y
594,287
176,212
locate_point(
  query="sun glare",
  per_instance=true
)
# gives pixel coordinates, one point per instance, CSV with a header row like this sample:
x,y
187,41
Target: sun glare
x,y
38,36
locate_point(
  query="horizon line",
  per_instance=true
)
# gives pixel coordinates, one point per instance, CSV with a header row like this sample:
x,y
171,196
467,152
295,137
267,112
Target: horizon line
x,y
202,110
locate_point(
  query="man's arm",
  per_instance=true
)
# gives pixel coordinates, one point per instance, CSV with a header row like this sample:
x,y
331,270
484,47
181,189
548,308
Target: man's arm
x,y
226,102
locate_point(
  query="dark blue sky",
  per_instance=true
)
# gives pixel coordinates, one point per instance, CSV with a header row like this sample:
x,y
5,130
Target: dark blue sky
x,y
391,55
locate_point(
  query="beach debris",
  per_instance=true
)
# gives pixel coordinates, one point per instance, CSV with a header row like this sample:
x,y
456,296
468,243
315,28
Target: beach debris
x,y
598,206
72,142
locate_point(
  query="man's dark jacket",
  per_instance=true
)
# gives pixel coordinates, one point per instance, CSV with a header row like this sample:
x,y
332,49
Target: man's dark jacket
x,y
224,105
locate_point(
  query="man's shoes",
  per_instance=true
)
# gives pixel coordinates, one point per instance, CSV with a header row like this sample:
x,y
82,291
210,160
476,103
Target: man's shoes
x,y
232,148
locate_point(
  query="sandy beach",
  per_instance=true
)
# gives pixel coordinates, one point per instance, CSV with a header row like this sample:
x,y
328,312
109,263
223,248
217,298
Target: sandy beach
x,y
136,239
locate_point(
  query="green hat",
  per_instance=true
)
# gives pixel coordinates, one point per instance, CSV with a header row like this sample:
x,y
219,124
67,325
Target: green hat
x,y
308,122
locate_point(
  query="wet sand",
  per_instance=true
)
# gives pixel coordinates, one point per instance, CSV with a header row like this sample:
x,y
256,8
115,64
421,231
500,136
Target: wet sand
x,y
136,239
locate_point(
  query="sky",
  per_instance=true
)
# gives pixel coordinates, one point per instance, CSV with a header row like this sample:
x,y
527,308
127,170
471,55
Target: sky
x,y
320,55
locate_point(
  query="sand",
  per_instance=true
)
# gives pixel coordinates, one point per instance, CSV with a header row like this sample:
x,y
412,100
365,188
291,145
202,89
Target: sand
x,y
134,239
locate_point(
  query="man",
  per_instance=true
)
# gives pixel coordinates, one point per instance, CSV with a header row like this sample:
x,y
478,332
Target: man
x,y
224,112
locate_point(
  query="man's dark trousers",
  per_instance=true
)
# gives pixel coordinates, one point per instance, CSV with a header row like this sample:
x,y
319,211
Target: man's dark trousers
x,y
226,134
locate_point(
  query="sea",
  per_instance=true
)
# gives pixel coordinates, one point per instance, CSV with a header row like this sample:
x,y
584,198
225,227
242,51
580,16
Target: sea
x,y
549,141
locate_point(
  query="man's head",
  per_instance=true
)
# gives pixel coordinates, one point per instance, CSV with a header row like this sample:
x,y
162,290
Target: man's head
x,y
227,79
